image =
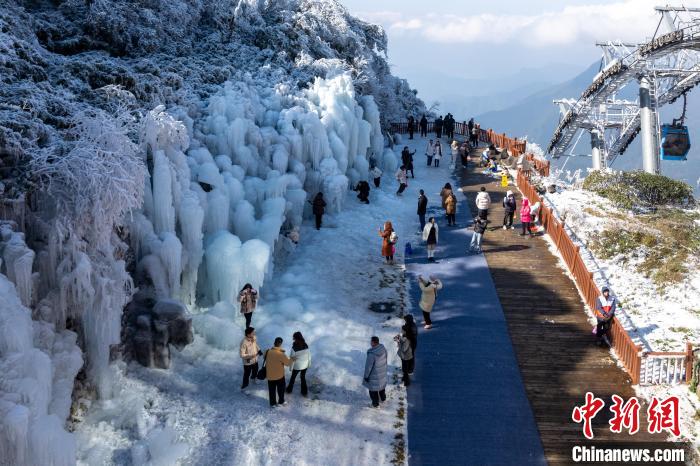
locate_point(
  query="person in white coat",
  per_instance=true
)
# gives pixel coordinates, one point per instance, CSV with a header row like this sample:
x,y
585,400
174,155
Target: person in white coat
x,y
430,152
429,289
402,178
483,202
438,153
302,360
455,153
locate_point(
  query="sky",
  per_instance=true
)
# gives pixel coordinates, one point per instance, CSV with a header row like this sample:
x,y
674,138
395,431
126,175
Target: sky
x,y
480,39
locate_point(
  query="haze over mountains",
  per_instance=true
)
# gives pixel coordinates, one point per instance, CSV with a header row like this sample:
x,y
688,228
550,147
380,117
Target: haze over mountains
x,y
520,104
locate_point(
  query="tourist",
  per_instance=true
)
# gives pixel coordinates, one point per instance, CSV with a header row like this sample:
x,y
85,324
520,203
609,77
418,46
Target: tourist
x,y
407,160
483,202
438,153
450,126
479,230
318,209
451,209
248,297
474,136
605,307
375,376
534,214
424,127
376,175
422,209
429,289
455,153
275,360
363,191
302,360
412,334
438,127
405,353
509,206
430,236
525,217
402,178
387,245
411,126
430,152
445,193
249,351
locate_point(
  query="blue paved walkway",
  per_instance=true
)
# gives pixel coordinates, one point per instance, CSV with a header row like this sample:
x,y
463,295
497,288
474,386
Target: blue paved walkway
x,y
467,403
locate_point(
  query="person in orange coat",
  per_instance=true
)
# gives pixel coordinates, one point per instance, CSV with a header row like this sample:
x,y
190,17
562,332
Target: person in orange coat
x,y
387,244
275,360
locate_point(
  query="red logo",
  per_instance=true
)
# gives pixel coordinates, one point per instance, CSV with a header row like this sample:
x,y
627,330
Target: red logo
x,y
663,415
587,412
626,415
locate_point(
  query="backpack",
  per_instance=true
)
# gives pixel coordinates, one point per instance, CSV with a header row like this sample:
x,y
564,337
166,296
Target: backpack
x,y
393,237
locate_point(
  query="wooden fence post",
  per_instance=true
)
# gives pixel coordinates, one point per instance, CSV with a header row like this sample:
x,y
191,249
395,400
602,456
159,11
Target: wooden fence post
x,y
688,362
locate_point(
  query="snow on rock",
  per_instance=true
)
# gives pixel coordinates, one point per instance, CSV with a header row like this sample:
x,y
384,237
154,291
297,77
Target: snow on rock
x,y
155,136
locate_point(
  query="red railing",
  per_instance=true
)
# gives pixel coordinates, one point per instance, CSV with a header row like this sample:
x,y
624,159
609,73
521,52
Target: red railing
x,y
629,353
514,145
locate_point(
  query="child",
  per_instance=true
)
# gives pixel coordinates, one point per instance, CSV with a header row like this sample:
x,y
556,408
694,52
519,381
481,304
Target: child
x,y
479,229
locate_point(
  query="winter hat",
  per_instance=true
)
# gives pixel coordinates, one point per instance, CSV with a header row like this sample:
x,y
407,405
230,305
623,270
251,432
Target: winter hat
x,y
509,193
605,288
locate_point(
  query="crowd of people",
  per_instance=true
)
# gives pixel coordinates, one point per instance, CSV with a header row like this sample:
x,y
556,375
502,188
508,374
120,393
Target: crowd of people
x,y
275,360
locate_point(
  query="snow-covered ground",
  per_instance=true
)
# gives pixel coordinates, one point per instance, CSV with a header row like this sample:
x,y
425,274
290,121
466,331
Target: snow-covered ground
x,y
657,321
323,288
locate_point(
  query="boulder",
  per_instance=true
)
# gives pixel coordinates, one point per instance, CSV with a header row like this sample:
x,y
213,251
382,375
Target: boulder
x,y
151,326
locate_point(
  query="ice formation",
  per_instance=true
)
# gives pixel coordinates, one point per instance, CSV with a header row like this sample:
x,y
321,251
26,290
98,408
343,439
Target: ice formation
x,y
38,364
173,174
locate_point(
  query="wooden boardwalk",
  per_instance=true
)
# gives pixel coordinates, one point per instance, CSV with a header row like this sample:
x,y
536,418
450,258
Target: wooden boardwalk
x,y
550,331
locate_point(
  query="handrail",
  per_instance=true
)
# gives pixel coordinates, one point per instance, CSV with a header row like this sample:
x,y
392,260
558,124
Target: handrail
x,y
629,353
514,145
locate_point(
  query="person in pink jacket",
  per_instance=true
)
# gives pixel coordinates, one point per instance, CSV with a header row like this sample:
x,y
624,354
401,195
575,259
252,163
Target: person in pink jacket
x,y
525,217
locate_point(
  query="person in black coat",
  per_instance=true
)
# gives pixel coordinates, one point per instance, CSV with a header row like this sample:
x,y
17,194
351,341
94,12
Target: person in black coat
x,y
470,125
363,191
449,126
411,330
508,210
424,126
319,208
438,127
407,160
422,208
411,126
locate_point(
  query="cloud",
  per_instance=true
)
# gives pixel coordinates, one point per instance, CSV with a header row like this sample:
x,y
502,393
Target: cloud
x,y
629,20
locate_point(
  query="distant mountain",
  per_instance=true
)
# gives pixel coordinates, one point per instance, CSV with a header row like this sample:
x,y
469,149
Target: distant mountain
x,y
465,107
536,116
474,95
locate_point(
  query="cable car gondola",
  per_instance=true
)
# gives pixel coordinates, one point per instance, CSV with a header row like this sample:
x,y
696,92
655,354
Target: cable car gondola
x,y
675,139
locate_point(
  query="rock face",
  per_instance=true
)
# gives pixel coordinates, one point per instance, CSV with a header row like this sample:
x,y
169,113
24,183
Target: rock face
x,y
152,326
